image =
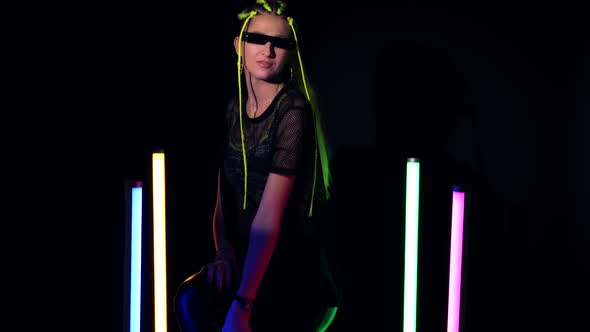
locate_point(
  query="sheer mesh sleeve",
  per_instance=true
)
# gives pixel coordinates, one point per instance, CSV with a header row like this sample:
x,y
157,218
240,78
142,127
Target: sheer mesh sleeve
x,y
289,142
222,137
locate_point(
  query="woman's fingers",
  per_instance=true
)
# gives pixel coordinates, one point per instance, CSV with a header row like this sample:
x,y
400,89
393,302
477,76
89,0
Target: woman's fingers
x,y
221,274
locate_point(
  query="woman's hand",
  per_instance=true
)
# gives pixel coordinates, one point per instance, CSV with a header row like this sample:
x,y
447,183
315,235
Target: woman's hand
x,y
223,271
237,319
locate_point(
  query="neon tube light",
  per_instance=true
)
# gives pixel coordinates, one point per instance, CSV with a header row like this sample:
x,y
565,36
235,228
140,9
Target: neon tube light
x,y
457,220
411,244
135,292
159,209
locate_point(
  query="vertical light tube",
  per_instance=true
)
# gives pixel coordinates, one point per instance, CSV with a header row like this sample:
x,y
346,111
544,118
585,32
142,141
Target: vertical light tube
x,y
411,244
457,221
136,225
159,210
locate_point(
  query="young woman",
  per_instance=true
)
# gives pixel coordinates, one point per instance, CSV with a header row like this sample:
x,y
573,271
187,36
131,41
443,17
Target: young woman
x,y
270,271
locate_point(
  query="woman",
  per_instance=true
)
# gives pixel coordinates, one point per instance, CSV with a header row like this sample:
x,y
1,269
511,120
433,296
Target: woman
x,y
270,272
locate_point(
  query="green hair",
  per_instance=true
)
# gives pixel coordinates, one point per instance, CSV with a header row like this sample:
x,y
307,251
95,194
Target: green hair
x,y
302,81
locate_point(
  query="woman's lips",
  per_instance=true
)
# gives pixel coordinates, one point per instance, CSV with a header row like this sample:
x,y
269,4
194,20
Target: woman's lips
x,y
264,64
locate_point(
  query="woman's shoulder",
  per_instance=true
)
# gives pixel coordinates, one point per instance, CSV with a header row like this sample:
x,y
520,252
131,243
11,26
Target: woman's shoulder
x,y
293,98
231,103
231,108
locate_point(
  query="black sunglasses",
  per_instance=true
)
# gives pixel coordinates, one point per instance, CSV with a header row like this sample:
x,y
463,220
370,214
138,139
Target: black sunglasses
x,y
260,39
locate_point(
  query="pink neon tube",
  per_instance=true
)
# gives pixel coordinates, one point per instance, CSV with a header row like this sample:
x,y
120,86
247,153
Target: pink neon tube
x,y
458,213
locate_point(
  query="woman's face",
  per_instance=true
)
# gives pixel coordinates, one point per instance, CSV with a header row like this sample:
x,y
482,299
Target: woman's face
x,y
265,57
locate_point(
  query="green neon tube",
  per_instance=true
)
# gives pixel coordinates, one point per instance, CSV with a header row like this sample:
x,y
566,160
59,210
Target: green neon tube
x,y
411,244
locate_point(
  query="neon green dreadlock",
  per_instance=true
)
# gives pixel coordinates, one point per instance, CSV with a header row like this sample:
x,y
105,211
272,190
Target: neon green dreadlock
x,y
246,17
265,5
320,145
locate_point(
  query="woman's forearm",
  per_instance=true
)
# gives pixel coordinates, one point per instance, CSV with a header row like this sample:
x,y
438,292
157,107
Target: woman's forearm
x,y
264,233
260,249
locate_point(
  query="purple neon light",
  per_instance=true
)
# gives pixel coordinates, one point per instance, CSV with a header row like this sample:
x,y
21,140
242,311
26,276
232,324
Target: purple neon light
x,y
458,213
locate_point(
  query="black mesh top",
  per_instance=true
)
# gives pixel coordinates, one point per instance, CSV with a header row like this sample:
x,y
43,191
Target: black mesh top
x,y
281,140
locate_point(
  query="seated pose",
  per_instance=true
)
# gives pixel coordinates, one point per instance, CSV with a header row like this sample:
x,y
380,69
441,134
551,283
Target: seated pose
x,y
270,271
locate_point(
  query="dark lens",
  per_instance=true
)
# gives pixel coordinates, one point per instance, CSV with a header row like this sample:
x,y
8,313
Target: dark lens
x,y
260,39
283,43
255,38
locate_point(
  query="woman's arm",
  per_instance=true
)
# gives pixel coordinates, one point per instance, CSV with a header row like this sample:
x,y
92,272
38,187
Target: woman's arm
x,y
224,269
264,232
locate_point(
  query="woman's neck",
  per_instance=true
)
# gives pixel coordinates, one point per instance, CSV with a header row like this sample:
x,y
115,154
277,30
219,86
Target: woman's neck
x,y
260,96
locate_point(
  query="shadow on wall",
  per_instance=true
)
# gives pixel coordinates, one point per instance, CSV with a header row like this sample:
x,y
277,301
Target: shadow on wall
x,y
419,98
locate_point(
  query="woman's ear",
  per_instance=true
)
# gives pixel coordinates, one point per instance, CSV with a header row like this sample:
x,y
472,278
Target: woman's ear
x,y
236,41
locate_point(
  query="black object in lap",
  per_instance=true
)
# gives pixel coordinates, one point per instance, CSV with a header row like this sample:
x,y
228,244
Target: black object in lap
x,y
199,307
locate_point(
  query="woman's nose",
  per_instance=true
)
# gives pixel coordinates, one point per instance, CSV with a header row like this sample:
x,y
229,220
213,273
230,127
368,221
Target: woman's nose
x,y
268,49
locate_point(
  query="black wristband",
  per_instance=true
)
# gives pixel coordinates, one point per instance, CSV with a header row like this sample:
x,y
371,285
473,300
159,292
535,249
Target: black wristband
x,y
244,302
